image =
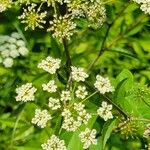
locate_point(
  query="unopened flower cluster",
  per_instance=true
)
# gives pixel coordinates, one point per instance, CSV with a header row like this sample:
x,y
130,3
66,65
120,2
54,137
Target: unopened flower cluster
x,y
68,102
129,127
144,5
11,47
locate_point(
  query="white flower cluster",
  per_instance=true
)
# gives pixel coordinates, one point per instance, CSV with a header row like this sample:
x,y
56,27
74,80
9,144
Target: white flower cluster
x,y
54,103
88,137
41,118
103,84
94,11
78,74
144,5
105,111
5,4
32,17
62,27
65,96
71,121
50,64
50,86
54,143
11,47
146,133
81,92
25,93
83,116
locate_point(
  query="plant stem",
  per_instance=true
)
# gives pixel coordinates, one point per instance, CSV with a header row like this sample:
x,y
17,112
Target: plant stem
x,y
68,60
102,49
89,96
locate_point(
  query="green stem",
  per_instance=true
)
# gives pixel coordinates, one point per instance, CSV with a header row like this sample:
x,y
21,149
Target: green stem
x,y
102,49
89,96
68,61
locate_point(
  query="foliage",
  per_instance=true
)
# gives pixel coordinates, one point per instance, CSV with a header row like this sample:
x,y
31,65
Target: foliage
x,y
109,39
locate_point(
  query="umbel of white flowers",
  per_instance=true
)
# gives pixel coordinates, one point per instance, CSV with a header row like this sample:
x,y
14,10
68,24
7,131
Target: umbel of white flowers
x,y
11,47
69,102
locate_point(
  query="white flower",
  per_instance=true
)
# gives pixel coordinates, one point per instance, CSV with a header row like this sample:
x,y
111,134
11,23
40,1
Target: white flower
x,y
105,111
66,113
83,116
146,133
88,137
23,51
5,53
65,96
4,4
25,92
144,5
62,27
79,107
78,74
70,124
54,143
50,86
11,47
81,92
103,84
54,103
32,17
8,62
14,53
41,118
50,64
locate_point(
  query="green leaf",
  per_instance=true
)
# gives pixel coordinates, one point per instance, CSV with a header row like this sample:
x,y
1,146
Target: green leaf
x,y
106,132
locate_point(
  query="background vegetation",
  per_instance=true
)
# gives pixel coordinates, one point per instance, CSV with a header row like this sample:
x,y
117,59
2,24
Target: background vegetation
x,y
119,49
